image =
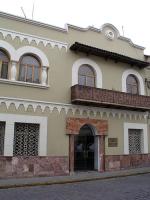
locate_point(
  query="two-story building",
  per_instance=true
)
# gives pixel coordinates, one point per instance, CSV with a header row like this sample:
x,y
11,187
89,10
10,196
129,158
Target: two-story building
x,y
71,99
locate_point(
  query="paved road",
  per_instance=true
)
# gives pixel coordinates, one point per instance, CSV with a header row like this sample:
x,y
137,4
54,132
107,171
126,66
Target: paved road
x,y
128,188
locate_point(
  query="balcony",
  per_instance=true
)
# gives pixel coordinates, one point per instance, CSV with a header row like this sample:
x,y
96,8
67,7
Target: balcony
x,y
83,95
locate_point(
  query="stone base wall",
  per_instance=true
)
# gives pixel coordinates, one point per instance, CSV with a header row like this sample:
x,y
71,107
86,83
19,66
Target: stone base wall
x,y
33,166
126,161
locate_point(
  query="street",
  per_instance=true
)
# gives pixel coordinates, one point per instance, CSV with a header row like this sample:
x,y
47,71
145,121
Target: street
x,y
127,188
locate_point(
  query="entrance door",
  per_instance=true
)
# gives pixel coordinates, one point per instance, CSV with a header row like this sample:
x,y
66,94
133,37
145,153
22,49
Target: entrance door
x,y
84,149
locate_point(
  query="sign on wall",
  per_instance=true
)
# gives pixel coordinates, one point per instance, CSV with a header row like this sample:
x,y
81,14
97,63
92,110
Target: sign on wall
x,y
112,142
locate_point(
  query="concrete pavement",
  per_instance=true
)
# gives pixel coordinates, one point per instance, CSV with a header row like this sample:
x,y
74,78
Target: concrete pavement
x,y
76,177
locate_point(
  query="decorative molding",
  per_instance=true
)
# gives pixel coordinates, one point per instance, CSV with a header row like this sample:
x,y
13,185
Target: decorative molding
x,y
66,29
26,84
29,21
110,34
9,133
111,29
33,38
83,61
33,50
128,40
74,124
51,106
128,126
138,76
16,54
9,48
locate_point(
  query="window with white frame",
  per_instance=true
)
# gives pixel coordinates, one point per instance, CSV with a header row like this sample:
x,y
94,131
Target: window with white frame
x,y
135,141
23,127
2,135
26,137
30,69
86,76
135,138
86,72
132,84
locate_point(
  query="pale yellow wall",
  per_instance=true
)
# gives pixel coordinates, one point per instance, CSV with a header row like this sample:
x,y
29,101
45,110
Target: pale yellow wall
x,y
60,76
60,69
98,38
116,130
60,80
58,140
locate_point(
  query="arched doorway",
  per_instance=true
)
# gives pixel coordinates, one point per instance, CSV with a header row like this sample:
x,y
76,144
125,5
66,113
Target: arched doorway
x,y
84,149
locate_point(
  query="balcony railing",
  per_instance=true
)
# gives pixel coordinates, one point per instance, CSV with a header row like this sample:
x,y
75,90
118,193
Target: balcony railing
x,y
84,95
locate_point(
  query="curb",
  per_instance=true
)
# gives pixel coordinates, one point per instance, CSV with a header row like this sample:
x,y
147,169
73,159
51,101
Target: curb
x,y
56,182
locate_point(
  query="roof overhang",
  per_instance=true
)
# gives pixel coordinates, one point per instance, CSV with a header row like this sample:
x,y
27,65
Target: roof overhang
x,y
108,55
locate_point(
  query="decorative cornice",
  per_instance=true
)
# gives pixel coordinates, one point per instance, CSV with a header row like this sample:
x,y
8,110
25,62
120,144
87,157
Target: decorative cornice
x,y
67,26
94,111
29,21
130,42
33,38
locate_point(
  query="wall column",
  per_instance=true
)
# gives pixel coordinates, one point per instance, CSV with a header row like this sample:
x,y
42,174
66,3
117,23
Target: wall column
x,y
13,71
102,153
71,153
44,76
9,138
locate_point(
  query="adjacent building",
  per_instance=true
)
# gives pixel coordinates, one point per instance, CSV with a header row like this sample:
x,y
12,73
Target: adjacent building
x,y
72,99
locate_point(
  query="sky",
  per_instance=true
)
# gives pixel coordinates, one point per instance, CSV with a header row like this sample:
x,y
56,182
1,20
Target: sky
x,y
133,15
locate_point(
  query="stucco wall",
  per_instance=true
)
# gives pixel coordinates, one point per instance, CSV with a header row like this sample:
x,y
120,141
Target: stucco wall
x,y
116,130
61,62
84,36
57,138
60,76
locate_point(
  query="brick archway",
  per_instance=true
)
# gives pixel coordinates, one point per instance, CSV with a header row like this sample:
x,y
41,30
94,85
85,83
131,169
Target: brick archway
x,y
73,126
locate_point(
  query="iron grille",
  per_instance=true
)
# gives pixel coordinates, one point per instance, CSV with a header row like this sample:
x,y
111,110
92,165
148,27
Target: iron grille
x,y
135,141
2,135
26,139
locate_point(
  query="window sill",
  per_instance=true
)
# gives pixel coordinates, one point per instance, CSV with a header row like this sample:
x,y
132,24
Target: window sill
x,y
21,83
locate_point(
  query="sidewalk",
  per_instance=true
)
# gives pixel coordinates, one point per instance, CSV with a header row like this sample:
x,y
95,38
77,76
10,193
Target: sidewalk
x,y
77,177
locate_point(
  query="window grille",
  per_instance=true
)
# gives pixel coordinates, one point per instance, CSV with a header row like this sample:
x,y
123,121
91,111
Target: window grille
x,y
2,134
135,141
26,139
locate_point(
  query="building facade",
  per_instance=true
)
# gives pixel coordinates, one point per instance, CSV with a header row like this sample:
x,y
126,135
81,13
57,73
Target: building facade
x,y
72,99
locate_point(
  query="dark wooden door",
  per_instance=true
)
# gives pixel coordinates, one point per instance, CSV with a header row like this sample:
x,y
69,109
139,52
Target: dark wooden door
x,y
84,151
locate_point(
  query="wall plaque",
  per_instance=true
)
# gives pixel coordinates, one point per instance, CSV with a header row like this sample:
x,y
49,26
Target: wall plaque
x,y
112,142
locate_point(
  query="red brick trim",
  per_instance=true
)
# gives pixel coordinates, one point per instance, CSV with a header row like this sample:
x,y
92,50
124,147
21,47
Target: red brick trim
x,y
73,125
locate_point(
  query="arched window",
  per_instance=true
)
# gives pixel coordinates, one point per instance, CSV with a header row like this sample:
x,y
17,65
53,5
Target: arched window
x,y
86,76
30,69
132,84
4,61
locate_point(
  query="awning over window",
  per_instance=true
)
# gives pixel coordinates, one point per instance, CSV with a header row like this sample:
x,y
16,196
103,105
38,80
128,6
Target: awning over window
x,y
108,55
